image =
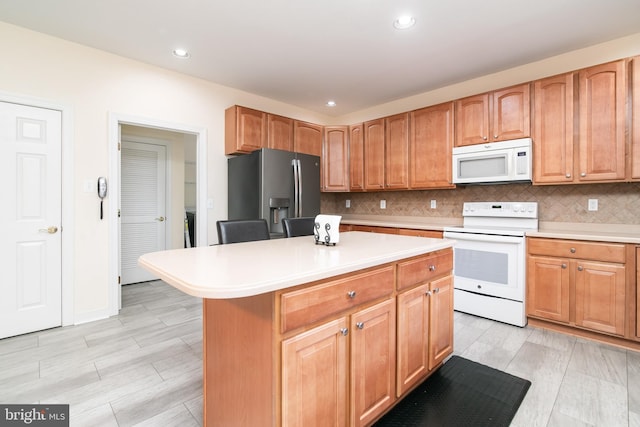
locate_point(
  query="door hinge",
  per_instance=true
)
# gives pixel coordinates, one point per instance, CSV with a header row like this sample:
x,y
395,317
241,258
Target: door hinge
x,y
118,146
118,213
119,280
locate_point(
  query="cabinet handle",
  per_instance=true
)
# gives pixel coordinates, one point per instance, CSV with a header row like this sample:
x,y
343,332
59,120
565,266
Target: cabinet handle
x,y
580,268
351,294
360,325
564,265
344,331
572,250
432,268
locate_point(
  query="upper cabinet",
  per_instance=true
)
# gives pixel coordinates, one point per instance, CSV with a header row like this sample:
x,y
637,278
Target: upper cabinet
x,y
356,157
430,145
553,129
307,138
245,130
374,154
335,159
495,116
396,144
603,99
280,132
635,122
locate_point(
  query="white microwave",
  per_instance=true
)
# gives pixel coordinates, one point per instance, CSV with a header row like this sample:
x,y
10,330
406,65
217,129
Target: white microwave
x,y
504,161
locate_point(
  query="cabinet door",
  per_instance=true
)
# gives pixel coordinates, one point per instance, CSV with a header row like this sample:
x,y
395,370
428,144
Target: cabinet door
x,y
548,288
245,130
553,130
602,122
635,118
472,120
374,154
373,362
600,296
430,145
440,320
307,138
397,151
420,233
356,157
280,132
413,338
374,229
314,384
335,157
510,113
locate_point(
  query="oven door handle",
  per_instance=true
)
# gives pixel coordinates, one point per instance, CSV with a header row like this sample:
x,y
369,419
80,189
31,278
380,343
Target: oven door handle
x,y
482,237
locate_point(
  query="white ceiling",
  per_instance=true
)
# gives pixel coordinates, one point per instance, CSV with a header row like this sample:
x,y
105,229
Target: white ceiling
x,y
305,52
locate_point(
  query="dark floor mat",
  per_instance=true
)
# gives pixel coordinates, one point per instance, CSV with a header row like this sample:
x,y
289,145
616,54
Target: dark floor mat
x,y
461,393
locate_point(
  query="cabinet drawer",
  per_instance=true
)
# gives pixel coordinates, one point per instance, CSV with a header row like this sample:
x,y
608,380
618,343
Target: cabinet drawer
x,y
610,252
422,269
308,305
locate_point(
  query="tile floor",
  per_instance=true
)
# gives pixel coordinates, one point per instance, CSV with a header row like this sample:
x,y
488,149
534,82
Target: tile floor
x,y
144,367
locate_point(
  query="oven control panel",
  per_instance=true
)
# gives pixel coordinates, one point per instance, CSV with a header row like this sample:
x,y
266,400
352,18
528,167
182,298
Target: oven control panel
x,y
501,209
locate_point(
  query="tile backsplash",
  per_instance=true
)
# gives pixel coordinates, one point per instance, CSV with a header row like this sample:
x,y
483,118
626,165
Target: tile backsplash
x,y
617,203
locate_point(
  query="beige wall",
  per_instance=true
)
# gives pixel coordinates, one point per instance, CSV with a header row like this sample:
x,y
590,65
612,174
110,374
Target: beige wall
x,y
94,84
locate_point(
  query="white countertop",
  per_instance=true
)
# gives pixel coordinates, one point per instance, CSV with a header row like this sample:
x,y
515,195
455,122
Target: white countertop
x,y
617,233
253,268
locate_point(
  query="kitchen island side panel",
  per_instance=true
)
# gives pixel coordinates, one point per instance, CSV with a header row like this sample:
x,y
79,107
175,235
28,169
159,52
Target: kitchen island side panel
x,y
239,362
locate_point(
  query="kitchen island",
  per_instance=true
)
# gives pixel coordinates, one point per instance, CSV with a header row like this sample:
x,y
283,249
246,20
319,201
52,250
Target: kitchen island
x,y
296,333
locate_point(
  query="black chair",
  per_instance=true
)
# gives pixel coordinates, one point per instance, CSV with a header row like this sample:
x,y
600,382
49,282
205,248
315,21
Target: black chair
x,y
302,226
245,230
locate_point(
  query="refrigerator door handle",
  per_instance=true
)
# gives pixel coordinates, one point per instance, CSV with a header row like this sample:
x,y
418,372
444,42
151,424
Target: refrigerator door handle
x,y
296,187
300,189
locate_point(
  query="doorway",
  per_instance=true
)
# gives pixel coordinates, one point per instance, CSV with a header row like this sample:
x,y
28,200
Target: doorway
x,y
185,157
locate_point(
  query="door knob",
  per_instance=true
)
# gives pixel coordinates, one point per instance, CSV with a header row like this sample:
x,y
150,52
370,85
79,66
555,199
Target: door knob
x,y
51,230
160,219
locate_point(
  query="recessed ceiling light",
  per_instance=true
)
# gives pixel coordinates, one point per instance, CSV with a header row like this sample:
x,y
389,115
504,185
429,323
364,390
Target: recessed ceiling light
x,y
404,22
180,53
331,103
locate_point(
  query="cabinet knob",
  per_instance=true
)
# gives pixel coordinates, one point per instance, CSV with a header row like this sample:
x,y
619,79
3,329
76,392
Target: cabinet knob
x,y
428,293
572,250
580,268
344,331
360,325
432,268
564,265
351,294
568,175
436,290
583,174
495,136
484,137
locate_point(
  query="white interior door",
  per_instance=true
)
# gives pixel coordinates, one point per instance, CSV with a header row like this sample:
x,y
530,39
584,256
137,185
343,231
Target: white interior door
x,y
30,219
142,206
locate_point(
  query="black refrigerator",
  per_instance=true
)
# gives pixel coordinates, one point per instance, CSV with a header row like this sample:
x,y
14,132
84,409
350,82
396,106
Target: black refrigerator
x,y
273,184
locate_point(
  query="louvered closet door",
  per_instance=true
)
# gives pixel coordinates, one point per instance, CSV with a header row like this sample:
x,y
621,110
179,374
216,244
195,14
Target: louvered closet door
x,y
142,207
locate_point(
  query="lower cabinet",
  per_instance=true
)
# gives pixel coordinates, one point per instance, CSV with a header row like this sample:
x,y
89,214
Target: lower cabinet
x,y
351,356
425,330
578,283
353,345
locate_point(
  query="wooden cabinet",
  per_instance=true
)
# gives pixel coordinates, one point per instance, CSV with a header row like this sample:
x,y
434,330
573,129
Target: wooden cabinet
x,y
307,138
358,348
553,157
430,145
495,116
245,130
603,98
335,159
637,293
280,132
579,283
318,364
425,317
396,156
356,157
374,154
374,229
635,117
